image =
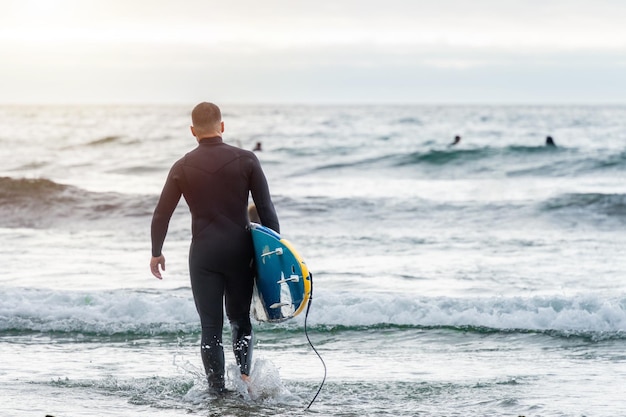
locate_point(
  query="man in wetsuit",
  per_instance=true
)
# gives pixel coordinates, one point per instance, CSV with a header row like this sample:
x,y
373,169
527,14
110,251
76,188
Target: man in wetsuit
x,y
216,179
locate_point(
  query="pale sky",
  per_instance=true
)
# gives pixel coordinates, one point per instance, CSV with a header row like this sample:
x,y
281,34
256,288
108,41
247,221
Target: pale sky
x,y
323,51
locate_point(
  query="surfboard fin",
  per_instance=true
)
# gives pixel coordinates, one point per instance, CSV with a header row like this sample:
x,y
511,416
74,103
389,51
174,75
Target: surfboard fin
x,y
279,305
277,251
293,278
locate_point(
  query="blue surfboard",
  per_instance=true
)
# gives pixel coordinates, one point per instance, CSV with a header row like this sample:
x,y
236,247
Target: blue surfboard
x,y
282,287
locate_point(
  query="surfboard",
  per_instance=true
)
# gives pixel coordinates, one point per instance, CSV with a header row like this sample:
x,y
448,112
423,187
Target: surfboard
x,y
282,287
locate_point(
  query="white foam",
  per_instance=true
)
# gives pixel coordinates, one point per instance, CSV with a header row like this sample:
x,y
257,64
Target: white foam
x,y
107,312
265,383
170,311
578,313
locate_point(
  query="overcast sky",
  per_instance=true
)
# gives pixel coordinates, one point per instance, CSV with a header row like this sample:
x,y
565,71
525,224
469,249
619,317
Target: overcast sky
x,y
323,51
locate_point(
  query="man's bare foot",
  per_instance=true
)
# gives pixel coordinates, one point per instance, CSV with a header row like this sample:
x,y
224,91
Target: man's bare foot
x,y
246,379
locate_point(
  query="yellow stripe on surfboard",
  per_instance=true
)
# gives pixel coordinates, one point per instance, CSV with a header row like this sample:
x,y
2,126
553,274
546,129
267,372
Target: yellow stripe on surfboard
x,y
306,278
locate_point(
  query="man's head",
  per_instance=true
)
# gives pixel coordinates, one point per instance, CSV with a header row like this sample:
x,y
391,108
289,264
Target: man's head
x,y
206,119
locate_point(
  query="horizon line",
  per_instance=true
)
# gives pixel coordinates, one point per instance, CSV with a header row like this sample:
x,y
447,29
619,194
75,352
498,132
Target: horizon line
x,y
315,103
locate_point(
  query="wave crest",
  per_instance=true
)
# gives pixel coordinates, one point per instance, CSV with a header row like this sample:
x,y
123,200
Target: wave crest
x,y
594,204
41,203
153,313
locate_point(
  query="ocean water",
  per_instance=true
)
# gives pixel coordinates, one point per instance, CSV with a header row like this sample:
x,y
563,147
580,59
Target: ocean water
x,y
484,279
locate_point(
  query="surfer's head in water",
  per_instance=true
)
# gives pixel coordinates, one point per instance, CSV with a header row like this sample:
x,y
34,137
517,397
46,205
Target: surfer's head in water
x,y
550,141
457,139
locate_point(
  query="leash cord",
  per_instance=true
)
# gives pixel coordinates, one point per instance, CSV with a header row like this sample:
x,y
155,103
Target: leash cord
x,y
306,316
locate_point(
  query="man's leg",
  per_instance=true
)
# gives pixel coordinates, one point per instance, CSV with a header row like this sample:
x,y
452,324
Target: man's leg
x,y
212,352
208,294
242,339
238,297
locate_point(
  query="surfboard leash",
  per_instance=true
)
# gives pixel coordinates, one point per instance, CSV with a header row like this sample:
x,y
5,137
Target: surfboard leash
x,y
306,333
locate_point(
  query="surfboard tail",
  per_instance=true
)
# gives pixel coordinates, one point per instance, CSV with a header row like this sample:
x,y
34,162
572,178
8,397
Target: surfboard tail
x,y
283,281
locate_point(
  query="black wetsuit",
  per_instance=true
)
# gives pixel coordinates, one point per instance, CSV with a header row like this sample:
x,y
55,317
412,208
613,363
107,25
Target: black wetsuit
x,y
216,179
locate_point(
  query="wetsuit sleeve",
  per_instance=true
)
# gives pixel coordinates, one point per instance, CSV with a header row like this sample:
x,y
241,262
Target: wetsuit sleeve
x,y
163,212
261,196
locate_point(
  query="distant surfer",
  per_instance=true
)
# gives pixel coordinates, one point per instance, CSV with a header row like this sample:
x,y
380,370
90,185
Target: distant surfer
x,y
258,147
457,140
216,179
550,141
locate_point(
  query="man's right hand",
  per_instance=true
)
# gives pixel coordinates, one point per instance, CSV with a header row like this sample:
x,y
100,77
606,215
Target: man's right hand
x,y
154,265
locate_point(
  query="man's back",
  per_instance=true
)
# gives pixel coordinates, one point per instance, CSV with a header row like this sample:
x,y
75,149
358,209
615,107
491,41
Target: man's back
x,y
215,179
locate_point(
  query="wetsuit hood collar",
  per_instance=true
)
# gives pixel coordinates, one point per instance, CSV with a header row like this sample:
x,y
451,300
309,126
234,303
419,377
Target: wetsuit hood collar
x,y
210,141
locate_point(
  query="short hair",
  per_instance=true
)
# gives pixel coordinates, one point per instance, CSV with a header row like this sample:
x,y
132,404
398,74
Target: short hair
x,y
206,116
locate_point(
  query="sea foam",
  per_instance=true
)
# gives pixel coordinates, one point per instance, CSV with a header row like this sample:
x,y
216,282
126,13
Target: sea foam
x,y
152,313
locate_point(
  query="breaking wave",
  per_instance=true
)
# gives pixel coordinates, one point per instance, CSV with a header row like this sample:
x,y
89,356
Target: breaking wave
x,y
589,204
150,313
41,203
